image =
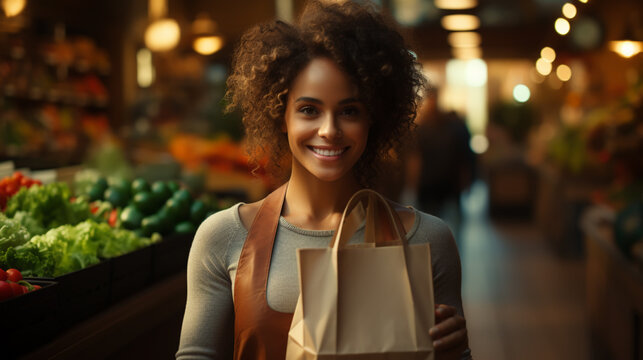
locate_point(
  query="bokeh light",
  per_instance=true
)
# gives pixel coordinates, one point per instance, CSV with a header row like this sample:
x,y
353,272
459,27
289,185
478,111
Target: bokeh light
x,y
460,22
464,39
479,144
564,72
207,45
521,93
548,54
13,7
543,67
144,68
465,53
455,4
626,48
476,73
569,10
562,26
162,35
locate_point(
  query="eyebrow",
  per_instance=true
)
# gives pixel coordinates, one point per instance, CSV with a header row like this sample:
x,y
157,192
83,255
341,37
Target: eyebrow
x,y
317,101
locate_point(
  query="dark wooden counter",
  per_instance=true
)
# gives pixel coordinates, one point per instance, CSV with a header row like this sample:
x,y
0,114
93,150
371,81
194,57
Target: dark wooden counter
x,y
144,326
615,298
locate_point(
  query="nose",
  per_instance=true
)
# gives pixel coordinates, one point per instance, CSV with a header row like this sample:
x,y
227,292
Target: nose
x,y
329,128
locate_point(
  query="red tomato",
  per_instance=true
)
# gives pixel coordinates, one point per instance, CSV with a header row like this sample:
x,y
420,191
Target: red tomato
x,y
11,189
14,275
113,217
16,289
24,289
36,287
18,175
25,181
5,290
3,275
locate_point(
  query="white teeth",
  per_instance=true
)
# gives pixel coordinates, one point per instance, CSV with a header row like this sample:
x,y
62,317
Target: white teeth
x,y
326,152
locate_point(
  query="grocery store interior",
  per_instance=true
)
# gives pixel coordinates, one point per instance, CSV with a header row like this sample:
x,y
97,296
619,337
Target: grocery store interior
x,y
108,106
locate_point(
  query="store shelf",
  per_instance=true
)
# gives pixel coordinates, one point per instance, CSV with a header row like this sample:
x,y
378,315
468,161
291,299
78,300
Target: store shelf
x,y
614,298
145,325
87,103
561,200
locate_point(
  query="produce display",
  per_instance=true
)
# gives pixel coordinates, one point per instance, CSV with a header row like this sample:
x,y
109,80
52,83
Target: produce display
x,y
12,284
70,248
40,208
10,185
45,232
56,230
12,233
162,207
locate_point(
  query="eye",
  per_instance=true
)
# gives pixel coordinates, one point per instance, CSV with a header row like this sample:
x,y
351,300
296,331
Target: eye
x,y
350,111
308,110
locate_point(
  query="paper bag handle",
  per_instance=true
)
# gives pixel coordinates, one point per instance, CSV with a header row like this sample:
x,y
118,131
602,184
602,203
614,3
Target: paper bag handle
x,y
375,200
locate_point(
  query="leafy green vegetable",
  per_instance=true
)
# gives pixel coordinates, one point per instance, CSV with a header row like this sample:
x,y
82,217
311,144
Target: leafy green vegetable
x,y
12,233
125,241
70,248
30,260
50,205
73,247
30,224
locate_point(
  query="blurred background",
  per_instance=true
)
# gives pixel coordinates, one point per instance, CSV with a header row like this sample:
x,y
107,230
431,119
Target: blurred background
x,y
530,145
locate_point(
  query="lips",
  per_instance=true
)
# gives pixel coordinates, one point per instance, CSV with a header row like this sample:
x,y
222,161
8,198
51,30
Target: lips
x,y
330,152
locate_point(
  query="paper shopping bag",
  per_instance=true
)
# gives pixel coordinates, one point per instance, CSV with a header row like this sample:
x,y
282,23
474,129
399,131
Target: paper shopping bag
x,y
364,302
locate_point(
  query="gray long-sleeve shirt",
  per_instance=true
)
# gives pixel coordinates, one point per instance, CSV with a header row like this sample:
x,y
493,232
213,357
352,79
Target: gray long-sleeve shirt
x,y
208,323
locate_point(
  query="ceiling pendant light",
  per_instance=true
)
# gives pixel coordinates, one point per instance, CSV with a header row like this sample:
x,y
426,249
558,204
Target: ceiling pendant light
x,y
628,46
207,40
13,7
455,4
460,22
162,34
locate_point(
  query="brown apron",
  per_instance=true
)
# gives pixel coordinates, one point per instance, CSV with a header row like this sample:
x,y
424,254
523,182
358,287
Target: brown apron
x,y
260,333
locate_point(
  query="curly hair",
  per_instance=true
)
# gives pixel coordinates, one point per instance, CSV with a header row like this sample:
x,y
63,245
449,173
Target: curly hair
x,y
361,42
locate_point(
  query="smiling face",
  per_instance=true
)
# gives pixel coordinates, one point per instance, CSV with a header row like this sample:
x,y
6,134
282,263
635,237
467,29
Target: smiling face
x,y
326,124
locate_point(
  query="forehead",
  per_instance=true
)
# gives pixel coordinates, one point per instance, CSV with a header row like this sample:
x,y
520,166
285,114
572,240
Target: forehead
x,y
324,80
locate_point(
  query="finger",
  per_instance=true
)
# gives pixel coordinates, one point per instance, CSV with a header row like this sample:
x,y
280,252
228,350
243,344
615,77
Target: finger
x,y
443,312
447,326
455,340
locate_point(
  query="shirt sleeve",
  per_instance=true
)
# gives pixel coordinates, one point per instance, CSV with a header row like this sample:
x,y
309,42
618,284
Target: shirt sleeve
x,y
447,276
208,323
447,273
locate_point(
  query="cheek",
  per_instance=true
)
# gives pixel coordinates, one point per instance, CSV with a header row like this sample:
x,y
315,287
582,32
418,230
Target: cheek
x,y
297,132
360,133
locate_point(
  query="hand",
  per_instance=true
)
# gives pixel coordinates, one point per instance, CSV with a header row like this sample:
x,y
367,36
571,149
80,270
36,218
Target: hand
x,y
449,333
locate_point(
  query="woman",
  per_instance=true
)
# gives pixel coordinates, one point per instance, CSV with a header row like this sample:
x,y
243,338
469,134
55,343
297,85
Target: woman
x,y
326,99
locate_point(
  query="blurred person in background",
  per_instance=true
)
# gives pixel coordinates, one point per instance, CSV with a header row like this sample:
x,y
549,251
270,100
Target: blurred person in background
x,y
441,165
326,99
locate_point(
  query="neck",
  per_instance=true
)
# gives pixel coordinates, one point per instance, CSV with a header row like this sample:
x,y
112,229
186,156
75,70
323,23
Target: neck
x,y
315,204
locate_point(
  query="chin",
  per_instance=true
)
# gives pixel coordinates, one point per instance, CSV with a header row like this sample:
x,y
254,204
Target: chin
x,y
330,177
